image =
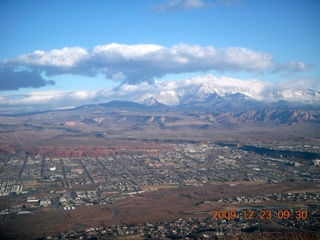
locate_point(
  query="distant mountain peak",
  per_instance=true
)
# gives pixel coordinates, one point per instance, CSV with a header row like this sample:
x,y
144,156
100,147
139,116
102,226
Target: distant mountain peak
x,y
123,104
205,89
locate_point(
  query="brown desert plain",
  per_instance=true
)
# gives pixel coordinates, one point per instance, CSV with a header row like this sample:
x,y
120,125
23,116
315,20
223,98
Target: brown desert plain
x,y
94,133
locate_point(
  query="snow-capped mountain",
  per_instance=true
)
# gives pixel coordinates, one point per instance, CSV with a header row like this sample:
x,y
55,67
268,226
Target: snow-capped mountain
x,y
206,88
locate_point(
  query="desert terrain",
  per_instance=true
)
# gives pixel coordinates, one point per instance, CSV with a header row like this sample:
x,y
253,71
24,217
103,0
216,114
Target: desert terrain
x,y
80,145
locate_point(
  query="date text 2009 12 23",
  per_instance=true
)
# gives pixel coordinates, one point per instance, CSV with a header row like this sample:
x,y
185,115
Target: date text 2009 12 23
x,y
261,214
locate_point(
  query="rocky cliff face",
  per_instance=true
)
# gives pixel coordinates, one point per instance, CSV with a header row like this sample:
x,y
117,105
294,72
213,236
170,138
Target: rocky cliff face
x,y
265,116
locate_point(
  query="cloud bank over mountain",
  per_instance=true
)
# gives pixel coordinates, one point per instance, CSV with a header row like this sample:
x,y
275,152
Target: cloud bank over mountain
x,y
173,92
135,64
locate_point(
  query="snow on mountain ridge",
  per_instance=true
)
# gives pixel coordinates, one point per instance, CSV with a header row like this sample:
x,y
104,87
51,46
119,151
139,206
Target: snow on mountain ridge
x,y
305,96
169,98
200,88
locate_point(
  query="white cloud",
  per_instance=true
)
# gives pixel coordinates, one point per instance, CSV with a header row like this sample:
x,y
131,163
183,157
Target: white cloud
x,y
244,59
135,64
121,52
292,67
183,5
222,85
32,98
60,58
156,60
300,83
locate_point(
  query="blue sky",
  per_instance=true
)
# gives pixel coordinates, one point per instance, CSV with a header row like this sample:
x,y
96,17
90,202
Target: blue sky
x,y
283,36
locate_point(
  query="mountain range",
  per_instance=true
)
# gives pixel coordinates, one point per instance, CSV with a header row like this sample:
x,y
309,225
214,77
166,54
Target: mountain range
x,y
213,117
234,97
233,104
214,111
202,104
